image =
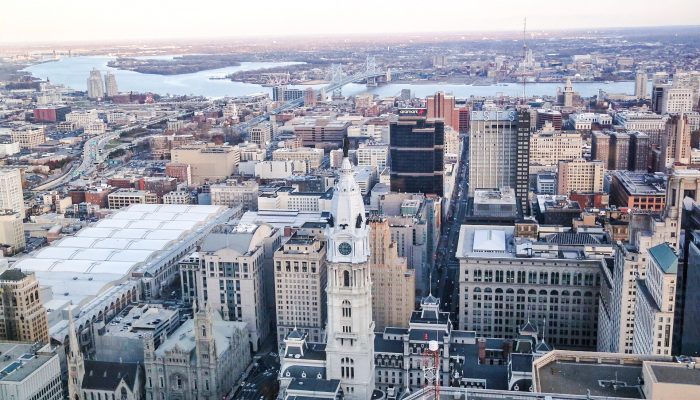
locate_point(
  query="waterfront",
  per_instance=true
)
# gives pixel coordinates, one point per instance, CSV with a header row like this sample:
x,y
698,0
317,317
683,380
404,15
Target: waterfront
x,y
73,72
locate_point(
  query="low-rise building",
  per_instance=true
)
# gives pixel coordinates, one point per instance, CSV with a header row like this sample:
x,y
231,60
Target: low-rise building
x,y
12,230
235,193
556,210
286,198
28,136
29,373
122,338
638,191
126,197
208,163
582,375
495,203
312,157
178,197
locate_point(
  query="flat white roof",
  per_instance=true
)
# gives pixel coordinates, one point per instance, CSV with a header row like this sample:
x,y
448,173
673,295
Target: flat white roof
x,y
485,241
489,240
82,266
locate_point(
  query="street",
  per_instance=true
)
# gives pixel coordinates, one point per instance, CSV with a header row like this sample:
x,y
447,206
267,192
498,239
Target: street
x,y
444,287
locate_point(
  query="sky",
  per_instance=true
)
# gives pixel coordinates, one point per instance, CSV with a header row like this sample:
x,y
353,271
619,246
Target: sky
x,y
128,20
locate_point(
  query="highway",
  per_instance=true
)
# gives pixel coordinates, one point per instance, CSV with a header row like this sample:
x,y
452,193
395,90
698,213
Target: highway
x,y
93,155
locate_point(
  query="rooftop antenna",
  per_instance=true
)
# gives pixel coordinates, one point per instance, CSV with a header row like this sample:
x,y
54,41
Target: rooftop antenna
x,y
430,284
524,56
544,330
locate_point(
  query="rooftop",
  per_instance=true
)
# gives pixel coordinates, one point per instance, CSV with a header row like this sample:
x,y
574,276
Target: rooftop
x,y
640,183
19,360
664,256
79,267
485,240
675,373
502,196
613,380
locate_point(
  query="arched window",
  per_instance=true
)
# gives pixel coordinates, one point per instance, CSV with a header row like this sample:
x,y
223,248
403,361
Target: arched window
x,y
204,331
347,309
124,395
346,278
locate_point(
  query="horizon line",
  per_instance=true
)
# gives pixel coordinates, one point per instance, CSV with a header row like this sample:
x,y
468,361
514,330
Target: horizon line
x,y
185,39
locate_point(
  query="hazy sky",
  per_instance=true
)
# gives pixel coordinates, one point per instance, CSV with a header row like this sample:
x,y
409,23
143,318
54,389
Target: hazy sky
x,y
64,20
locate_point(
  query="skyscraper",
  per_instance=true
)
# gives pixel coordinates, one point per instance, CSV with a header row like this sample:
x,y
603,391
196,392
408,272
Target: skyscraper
x,y
499,143
11,197
675,144
300,282
110,85
95,86
393,284
417,153
22,316
619,151
443,106
640,85
639,151
522,166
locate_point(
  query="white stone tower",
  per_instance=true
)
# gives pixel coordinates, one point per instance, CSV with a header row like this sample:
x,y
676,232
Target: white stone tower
x,y
350,330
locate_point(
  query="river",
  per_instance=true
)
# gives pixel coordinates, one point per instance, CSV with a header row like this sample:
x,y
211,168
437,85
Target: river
x,y
74,71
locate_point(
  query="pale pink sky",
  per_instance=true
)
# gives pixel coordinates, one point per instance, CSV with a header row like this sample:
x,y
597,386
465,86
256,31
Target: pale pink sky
x,y
68,20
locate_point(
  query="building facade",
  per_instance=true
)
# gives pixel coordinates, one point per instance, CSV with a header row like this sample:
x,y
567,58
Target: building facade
x,y
202,360
24,320
506,281
28,137
581,176
234,194
12,230
126,197
11,195
393,284
300,283
417,155
655,305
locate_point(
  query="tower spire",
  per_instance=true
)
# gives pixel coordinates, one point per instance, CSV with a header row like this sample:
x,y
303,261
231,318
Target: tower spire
x,y
524,57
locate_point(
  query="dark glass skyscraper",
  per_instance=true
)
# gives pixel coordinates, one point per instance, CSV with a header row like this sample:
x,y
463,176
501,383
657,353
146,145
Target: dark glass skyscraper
x,y
522,166
417,164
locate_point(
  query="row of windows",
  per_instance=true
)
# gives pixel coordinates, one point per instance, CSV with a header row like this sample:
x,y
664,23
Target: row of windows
x,y
534,278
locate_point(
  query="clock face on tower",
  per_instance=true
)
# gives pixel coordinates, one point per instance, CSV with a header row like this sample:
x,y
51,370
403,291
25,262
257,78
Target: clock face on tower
x,y
345,248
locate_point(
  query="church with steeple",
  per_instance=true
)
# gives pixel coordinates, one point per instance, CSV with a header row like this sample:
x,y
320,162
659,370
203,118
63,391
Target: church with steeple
x,y
91,379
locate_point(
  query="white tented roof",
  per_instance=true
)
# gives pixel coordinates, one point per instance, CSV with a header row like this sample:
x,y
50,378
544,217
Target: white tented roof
x,y
81,266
